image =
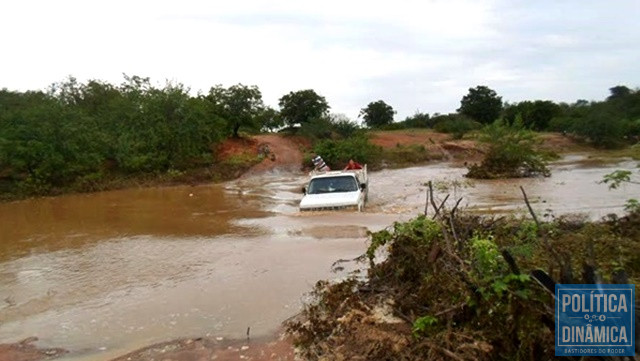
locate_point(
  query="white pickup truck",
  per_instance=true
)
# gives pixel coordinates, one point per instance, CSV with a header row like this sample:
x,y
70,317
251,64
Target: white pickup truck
x,y
336,190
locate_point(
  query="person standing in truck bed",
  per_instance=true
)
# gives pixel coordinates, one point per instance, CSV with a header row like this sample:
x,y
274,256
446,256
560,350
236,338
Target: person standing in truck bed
x,y
319,164
353,165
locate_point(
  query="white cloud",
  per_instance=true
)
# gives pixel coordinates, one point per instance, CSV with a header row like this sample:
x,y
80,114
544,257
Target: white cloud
x,y
412,54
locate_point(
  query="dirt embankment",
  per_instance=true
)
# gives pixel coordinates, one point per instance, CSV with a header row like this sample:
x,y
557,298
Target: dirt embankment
x,y
440,145
285,152
468,149
281,152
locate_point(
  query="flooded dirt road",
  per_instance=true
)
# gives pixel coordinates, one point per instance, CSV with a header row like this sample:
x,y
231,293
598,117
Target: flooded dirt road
x,y
103,274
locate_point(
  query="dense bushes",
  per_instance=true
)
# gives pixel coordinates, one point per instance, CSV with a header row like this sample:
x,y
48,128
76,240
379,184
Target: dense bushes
x,y
418,120
612,122
535,115
336,153
83,133
463,287
327,127
456,124
511,153
77,133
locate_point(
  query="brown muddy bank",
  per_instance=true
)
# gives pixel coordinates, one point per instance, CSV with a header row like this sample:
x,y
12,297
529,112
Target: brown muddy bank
x,y
25,350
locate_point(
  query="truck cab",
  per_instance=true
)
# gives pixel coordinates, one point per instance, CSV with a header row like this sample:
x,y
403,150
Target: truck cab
x,y
336,190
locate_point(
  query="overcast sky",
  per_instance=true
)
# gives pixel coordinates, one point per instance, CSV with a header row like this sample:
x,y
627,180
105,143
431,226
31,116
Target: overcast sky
x,y
414,55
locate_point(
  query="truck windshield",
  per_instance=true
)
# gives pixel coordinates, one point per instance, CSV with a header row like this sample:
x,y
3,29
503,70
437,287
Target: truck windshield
x,y
332,185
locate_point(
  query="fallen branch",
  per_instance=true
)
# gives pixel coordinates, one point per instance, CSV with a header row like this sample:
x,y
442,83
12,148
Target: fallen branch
x,y
443,351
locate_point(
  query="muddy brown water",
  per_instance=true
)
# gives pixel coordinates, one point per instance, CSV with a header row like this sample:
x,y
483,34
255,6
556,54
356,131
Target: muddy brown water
x,y
103,274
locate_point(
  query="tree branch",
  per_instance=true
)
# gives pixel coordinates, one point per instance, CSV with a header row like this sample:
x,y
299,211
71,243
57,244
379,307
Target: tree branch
x,y
526,201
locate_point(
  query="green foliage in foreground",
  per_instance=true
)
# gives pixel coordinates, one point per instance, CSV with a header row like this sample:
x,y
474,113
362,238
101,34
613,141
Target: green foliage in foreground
x,y
511,153
617,178
462,287
620,177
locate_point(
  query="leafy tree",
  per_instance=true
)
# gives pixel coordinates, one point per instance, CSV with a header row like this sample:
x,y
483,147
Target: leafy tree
x,y
511,153
619,91
377,114
481,104
625,102
270,120
535,115
241,105
302,106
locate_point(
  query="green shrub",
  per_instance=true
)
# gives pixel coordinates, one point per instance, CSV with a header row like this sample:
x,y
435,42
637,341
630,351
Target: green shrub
x,y
336,153
456,124
561,124
511,153
76,135
345,128
315,129
418,120
423,325
603,128
455,288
